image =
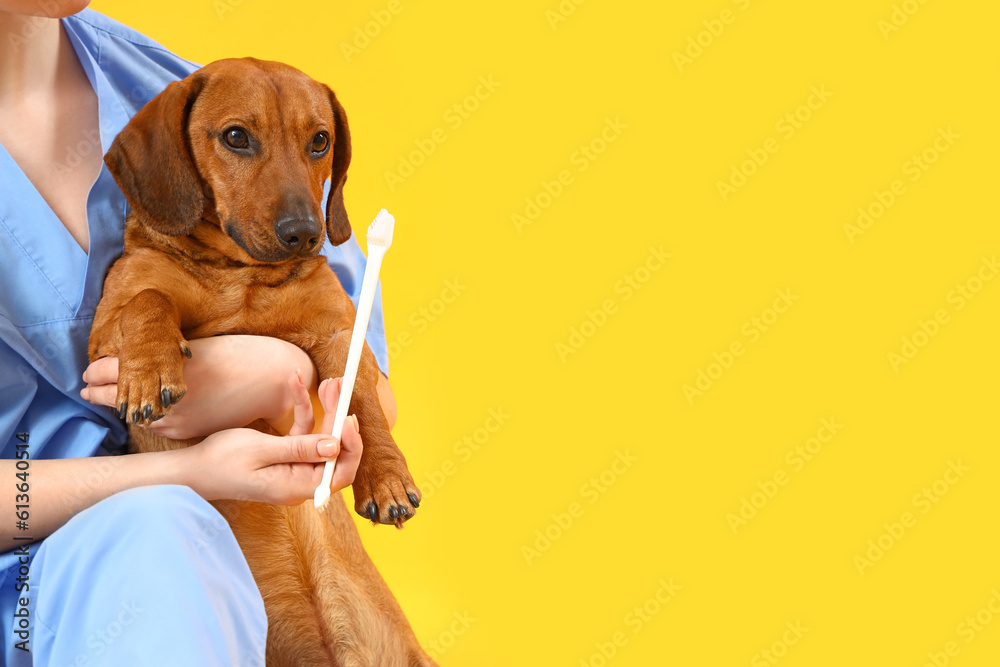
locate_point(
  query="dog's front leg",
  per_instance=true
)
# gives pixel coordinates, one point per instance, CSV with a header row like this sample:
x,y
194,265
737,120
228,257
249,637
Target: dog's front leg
x,y
151,351
384,490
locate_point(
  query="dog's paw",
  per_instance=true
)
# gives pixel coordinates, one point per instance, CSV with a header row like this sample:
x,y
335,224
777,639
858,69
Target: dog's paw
x,y
384,491
150,380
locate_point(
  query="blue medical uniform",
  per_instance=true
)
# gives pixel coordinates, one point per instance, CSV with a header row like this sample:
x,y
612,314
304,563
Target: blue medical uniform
x,y
150,576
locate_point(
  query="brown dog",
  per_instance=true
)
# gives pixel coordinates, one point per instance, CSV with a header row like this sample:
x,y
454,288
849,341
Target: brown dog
x,y
224,172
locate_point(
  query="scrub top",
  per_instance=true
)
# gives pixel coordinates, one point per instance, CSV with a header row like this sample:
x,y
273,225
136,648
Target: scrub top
x,y
49,287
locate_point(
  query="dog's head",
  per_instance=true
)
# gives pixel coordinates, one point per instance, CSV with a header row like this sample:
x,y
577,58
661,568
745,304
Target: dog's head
x,y
245,144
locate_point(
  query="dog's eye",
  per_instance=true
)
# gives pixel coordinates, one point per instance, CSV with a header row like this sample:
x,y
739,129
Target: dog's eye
x,y
236,137
320,142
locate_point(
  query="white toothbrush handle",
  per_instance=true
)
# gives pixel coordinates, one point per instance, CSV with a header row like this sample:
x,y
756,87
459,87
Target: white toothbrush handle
x,y
368,285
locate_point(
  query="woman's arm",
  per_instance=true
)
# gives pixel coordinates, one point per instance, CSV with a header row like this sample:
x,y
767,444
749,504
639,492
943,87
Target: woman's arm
x,y
231,381
239,464
59,488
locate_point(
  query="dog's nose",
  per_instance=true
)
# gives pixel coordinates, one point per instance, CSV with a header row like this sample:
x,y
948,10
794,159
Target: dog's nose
x,y
298,234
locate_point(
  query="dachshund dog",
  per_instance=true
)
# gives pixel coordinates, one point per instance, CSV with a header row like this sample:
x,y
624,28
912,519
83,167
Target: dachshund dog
x,y
224,173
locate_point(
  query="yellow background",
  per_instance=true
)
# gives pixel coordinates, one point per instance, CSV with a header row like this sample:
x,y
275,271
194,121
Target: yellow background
x,y
495,345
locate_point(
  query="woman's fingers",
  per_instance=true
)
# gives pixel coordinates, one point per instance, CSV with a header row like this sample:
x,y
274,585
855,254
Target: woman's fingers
x,y
170,427
350,445
329,395
244,463
350,455
303,419
305,448
105,394
102,371
102,382
299,463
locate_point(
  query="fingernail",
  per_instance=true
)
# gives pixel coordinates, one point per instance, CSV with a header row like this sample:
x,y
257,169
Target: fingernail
x,y
357,426
322,384
327,448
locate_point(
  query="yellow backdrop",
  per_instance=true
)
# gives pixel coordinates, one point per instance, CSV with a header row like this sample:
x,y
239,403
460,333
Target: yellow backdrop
x,y
693,316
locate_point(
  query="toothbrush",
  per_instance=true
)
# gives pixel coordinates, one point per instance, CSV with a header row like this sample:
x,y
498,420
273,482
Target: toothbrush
x,y
379,240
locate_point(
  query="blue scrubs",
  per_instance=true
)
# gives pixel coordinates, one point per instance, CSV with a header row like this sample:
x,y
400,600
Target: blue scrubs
x,y
149,576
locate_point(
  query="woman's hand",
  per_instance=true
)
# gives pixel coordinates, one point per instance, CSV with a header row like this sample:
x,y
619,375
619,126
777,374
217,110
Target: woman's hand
x,y
231,381
243,464
238,464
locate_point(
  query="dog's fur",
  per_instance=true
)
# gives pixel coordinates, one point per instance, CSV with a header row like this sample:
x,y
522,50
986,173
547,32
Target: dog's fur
x,y
223,239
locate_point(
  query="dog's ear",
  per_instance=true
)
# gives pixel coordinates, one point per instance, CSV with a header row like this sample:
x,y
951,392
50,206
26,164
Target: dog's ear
x,y
151,161
338,227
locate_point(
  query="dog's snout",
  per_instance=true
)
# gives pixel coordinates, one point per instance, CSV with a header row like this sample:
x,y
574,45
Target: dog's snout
x,y
298,235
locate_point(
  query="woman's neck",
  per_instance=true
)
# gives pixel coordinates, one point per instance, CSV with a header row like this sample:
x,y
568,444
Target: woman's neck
x,y
35,55
48,109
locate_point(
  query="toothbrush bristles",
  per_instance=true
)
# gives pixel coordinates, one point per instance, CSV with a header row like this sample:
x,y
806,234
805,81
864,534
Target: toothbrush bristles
x,y
380,231
321,503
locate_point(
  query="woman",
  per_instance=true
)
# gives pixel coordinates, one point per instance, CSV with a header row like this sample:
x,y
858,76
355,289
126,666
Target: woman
x,y
120,559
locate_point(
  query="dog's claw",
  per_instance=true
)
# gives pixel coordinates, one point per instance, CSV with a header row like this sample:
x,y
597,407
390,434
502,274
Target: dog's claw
x,y
185,349
135,417
146,411
123,410
156,418
384,491
165,398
